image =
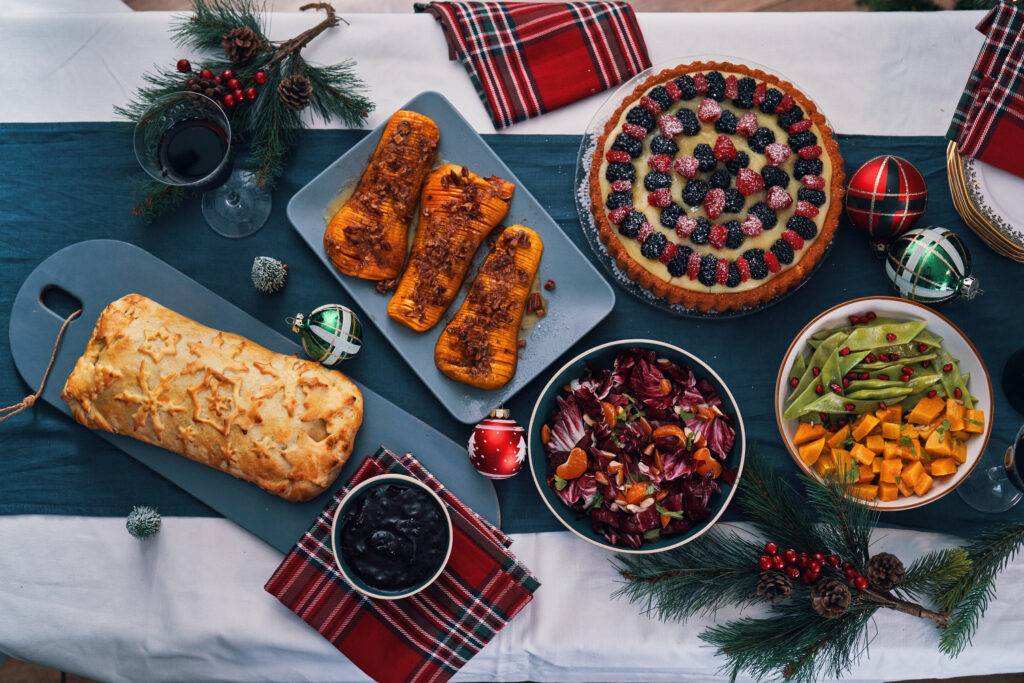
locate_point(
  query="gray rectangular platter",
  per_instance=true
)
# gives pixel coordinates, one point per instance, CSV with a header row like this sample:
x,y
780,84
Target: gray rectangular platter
x,y
580,300
100,271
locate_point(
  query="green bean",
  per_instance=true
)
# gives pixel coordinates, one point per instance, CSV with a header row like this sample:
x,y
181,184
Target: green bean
x,y
885,365
926,337
883,394
847,329
834,403
874,335
952,379
829,374
818,358
799,365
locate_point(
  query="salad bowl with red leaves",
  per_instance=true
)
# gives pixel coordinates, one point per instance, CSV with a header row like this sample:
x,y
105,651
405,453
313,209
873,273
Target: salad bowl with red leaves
x,y
636,446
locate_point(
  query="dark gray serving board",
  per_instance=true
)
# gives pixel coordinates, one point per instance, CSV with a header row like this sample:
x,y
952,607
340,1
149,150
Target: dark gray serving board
x,y
101,271
580,300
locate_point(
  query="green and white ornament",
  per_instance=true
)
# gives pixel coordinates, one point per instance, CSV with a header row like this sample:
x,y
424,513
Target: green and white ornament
x,y
330,334
143,522
268,274
930,265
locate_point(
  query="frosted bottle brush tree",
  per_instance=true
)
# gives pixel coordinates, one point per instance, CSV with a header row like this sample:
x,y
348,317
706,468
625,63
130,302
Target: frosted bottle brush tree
x,y
262,85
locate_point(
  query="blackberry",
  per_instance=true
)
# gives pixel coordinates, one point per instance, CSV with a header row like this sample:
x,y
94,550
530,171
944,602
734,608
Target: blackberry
x,y
734,201
781,249
677,266
708,274
694,192
774,176
655,244
764,214
746,86
662,145
702,233
736,236
627,144
655,180
788,118
742,160
661,96
686,87
641,117
716,85
807,167
772,98
802,139
617,200
816,197
620,171
670,214
630,225
755,259
691,124
705,157
720,179
761,139
727,124
734,275
804,227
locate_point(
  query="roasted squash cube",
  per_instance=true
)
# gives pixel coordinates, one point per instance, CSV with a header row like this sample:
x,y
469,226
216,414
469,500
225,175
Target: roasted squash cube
x,y
960,452
910,450
864,425
866,474
927,410
961,435
924,431
809,452
943,467
862,454
940,444
807,432
888,491
912,472
876,464
890,430
954,408
890,471
974,421
826,465
904,487
840,436
924,483
956,424
875,443
909,430
868,492
892,450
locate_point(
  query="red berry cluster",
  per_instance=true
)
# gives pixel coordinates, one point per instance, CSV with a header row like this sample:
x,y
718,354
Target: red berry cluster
x,y
807,567
236,94
862,319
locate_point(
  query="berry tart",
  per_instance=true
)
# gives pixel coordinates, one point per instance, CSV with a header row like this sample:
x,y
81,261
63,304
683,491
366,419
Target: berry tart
x,y
716,186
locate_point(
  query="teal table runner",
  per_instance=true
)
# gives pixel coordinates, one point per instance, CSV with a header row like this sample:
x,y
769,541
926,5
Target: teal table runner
x,y
64,183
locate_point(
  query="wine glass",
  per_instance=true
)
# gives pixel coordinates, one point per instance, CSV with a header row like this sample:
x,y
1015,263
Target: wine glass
x,y
184,139
999,486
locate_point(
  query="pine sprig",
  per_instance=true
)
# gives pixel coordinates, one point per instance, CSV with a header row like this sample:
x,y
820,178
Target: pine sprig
x,y
845,524
155,198
934,573
204,29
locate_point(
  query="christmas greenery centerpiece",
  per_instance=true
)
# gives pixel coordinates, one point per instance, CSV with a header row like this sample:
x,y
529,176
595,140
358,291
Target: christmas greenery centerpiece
x,y
817,578
262,85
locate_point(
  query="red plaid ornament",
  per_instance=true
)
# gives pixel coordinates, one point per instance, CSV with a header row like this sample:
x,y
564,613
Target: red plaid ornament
x,y
885,197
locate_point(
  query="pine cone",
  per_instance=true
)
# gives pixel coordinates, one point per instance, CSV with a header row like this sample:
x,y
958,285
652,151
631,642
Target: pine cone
x,y
774,586
241,45
295,92
885,571
209,87
830,598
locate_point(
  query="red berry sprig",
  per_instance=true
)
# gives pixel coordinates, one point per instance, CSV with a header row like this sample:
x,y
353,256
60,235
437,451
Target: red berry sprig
x,y
237,93
184,66
807,567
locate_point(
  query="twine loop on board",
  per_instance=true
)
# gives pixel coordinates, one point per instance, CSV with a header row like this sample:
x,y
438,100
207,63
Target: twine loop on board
x,y
30,400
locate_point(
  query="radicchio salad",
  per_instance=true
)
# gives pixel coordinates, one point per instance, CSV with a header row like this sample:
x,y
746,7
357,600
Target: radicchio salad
x,y
639,448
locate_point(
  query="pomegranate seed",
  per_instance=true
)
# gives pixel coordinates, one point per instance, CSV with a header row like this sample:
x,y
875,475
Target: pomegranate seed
x,y
816,371
884,378
922,347
870,358
823,416
845,351
884,358
948,367
865,375
871,315
932,393
819,390
890,337
794,381
851,375
881,404
854,320
846,382
958,393
926,363
835,387
894,356
908,371
850,407
841,423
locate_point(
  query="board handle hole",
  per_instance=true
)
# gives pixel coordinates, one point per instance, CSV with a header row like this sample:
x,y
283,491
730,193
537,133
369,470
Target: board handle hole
x,y
60,302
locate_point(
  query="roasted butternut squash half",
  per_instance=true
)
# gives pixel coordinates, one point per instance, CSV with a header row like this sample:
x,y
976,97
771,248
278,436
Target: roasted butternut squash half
x,y
367,237
458,209
479,346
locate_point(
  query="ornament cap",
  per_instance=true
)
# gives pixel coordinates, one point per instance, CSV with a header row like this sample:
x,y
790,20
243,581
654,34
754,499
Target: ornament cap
x,y
969,287
501,413
297,323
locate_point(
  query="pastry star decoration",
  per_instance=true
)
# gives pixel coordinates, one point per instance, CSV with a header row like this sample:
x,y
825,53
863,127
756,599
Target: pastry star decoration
x,y
160,343
151,401
219,407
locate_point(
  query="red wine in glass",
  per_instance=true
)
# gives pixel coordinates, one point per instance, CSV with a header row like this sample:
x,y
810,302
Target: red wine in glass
x,y
191,150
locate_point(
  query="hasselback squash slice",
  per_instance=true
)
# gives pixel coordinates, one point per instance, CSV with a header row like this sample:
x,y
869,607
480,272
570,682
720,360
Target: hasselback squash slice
x,y
458,209
479,346
367,237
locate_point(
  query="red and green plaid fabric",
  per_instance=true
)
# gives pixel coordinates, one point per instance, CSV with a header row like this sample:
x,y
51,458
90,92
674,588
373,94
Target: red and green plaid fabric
x,y
429,636
528,58
989,120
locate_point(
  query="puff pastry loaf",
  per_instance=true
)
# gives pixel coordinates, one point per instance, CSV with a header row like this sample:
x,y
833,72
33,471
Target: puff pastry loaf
x,y
278,421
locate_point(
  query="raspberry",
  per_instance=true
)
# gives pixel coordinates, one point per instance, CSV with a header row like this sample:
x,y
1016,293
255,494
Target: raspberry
x,y
670,126
752,226
810,152
747,125
777,198
668,253
659,162
794,240
800,126
621,185
806,209
617,215
722,274
714,202
634,131
785,105
617,157
686,166
744,269
661,198
772,262
673,90
685,225
777,153
748,182
709,110
732,89
646,230
724,149
759,92
693,267
700,83
650,105
719,233
813,182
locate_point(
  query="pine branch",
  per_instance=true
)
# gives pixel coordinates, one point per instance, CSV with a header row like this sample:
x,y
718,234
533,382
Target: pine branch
x,y
845,524
339,93
154,198
204,29
934,573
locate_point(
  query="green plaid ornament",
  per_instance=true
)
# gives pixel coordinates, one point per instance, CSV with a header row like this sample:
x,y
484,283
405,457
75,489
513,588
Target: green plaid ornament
x,y
330,334
930,265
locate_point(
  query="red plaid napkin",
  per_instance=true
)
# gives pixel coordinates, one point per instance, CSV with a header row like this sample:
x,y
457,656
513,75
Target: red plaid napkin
x,y
528,58
989,120
429,636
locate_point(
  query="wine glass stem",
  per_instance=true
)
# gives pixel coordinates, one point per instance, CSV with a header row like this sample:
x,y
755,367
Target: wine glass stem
x,y
233,199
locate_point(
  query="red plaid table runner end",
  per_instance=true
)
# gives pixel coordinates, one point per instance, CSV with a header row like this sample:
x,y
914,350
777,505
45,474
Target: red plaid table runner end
x,y
528,58
429,636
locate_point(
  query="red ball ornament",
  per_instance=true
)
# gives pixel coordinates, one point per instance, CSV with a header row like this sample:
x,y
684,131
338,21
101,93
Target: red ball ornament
x,y
497,446
885,197
184,66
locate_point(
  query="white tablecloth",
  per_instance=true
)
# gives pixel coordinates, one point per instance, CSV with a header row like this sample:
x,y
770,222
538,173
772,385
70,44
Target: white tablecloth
x,y
80,594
